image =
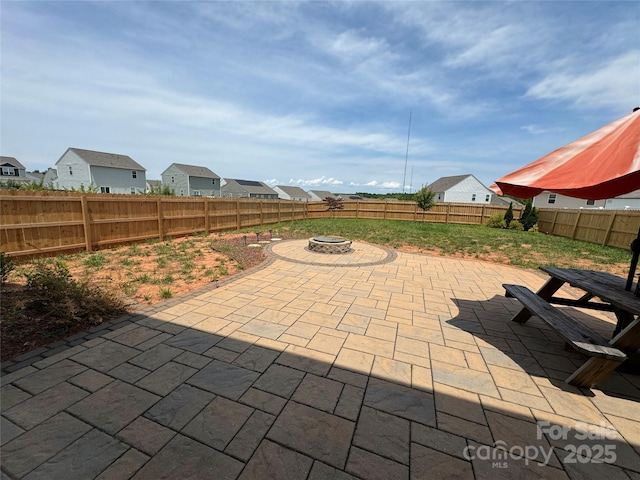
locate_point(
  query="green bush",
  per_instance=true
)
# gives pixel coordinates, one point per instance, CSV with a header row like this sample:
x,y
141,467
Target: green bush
x,y
529,216
6,266
496,221
508,215
516,225
52,289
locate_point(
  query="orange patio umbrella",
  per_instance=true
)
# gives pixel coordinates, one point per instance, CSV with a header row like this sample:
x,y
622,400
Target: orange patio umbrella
x,y
601,165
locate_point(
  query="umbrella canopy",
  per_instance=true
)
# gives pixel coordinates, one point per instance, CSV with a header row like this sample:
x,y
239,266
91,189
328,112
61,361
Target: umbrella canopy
x,y
601,165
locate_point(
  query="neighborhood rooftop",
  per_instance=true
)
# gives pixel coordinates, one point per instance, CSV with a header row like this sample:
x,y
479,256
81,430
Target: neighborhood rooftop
x,y
104,159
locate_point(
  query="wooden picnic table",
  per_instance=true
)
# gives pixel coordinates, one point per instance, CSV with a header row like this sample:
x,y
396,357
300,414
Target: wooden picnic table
x,y
603,291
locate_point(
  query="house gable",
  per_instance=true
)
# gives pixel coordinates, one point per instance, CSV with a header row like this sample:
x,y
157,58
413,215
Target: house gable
x,y
12,169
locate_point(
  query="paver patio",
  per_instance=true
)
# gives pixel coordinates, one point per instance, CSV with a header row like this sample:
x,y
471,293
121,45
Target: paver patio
x,y
374,364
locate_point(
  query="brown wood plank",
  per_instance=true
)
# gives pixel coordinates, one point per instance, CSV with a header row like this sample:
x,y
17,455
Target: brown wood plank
x,y
592,372
579,336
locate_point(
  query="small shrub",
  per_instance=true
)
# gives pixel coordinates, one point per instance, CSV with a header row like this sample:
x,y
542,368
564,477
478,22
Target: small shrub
x,y
516,225
96,260
6,266
496,221
425,199
165,293
52,289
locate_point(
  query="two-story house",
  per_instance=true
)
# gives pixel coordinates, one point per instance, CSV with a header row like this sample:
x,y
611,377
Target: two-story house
x,y
234,188
191,180
106,172
460,189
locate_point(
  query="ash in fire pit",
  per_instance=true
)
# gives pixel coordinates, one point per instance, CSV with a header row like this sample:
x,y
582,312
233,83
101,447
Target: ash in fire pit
x,y
329,244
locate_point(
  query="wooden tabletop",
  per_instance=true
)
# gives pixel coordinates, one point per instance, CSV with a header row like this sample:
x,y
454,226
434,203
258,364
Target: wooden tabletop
x,y
606,286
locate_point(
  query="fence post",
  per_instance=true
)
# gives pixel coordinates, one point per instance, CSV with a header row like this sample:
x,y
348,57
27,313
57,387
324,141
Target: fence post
x,y
261,214
553,222
446,218
279,203
207,224
384,212
482,216
238,214
575,225
357,207
160,220
608,232
87,222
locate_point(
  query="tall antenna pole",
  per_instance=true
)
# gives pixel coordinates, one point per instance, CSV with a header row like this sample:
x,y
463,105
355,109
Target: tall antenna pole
x,y
404,178
411,181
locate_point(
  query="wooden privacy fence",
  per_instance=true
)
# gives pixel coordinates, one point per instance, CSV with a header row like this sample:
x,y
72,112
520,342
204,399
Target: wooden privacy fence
x,y
47,222
35,223
465,213
614,228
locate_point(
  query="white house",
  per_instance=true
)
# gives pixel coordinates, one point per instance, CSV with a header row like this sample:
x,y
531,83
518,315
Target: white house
x,y
292,193
319,195
107,172
191,180
629,201
460,189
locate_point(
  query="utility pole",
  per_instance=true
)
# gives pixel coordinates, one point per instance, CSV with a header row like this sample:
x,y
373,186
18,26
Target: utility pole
x,y
406,157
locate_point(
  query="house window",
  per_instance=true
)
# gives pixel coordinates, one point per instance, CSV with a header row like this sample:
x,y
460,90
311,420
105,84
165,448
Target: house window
x,y
197,193
105,189
487,198
134,174
552,198
9,171
133,190
591,202
473,197
213,181
181,193
173,179
70,171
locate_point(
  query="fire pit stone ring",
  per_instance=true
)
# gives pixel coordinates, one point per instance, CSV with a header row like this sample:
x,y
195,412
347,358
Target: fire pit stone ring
x,y
329,244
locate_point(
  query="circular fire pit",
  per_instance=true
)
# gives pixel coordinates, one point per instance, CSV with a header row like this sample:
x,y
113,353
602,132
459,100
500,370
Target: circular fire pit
x,y
328,244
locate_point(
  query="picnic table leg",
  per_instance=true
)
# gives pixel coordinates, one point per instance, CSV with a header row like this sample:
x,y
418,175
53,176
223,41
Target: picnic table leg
x,y
546,292
592,372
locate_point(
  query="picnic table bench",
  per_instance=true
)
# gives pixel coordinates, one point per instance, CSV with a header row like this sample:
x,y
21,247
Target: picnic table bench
x,y
604,355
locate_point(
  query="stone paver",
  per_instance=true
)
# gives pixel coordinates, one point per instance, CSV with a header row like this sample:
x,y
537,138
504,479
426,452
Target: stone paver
x,y
373,364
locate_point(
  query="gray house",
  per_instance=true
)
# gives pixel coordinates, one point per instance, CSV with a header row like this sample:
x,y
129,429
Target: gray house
x,y
107,172
13,170
460,188
191,180
292,193
234,188
319,195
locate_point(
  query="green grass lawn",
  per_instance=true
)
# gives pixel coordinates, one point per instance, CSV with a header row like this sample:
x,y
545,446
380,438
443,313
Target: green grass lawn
x,y
523,249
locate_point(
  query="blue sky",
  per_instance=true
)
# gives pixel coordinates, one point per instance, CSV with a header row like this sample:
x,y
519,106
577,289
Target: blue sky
x,y
315,94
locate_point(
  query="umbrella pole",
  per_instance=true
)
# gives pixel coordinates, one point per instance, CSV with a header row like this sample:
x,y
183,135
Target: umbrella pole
x,y
635,248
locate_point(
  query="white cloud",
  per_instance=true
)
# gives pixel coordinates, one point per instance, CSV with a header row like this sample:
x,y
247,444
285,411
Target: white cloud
x,y
612,84
316,182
